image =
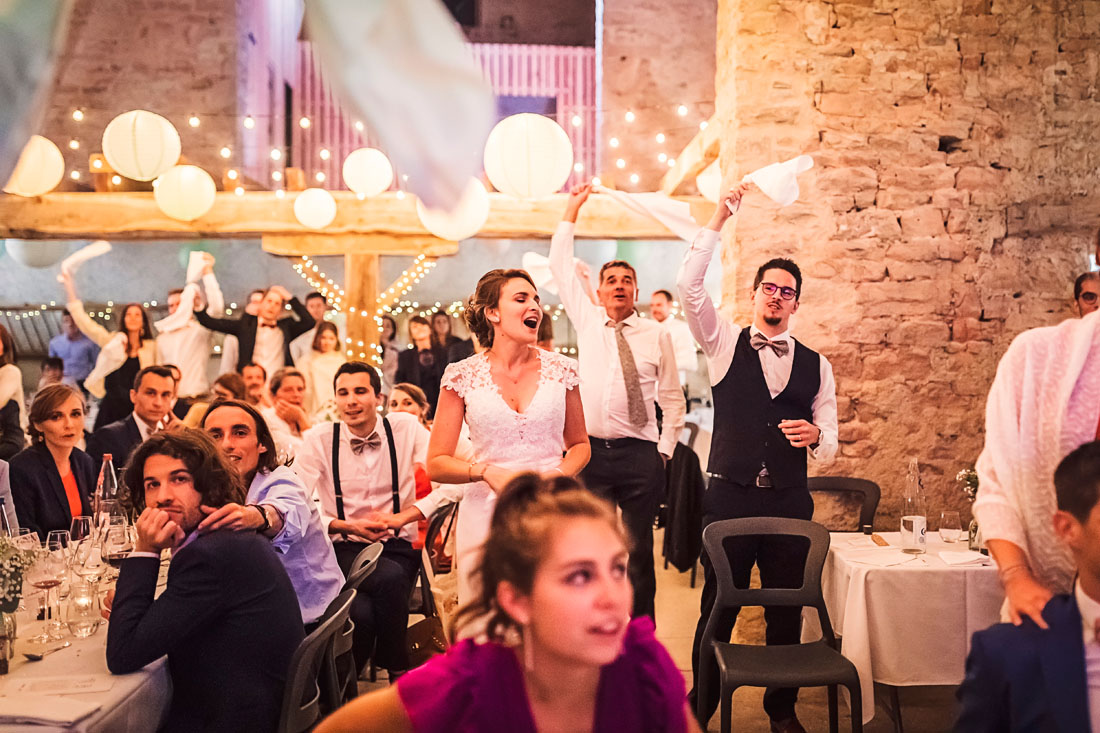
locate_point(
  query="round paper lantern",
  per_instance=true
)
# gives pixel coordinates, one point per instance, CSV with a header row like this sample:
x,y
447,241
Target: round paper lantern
x,y
141,145
44,253
528,156
315,208
40,168
185,192
461,222
709,182
367,171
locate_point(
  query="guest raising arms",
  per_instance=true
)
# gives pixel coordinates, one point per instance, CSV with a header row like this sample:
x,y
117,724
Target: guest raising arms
x,y
554,574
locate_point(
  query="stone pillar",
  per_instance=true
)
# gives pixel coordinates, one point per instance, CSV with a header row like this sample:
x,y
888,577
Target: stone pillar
x,y
950,208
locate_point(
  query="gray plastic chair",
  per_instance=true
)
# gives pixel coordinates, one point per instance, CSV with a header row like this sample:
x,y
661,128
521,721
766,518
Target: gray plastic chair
x,y
813,664
312,663
868,489
363,566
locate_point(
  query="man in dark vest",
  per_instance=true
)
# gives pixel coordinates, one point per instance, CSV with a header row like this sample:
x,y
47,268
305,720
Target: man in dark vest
x,y
774,402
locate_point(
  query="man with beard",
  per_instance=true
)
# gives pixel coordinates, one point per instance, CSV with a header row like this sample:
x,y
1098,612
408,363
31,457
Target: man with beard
x,y
774,403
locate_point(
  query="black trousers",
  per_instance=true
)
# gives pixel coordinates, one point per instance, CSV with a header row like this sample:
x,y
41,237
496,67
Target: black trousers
x,y
782,561
630,473
381,608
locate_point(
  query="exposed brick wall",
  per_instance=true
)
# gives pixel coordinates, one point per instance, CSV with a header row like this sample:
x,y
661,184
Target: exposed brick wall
x,y
950,209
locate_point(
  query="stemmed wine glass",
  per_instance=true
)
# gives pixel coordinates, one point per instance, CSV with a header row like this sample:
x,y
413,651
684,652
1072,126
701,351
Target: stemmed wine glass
x,y
46,573
117,543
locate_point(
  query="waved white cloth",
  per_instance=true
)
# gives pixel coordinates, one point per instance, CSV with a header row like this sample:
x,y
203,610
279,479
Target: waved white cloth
x,y
779,181
965,557
532,440
538,267
402,67
1044,402
675,215
184,314
76,259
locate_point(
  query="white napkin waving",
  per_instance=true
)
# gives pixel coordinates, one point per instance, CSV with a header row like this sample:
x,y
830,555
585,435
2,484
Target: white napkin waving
x,y
965,557
676,215
779,181
70,264
538,267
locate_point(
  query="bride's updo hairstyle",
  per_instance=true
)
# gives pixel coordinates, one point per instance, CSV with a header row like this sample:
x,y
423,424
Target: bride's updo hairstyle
x,y
487,296
528,511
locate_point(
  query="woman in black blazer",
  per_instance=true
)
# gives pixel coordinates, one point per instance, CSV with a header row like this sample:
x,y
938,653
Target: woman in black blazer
x,y
423,364
53,479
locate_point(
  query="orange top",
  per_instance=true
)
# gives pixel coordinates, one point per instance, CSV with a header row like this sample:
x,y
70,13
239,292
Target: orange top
x,y
72,493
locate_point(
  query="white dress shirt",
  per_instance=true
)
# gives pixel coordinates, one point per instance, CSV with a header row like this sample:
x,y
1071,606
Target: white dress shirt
x,y
189,347
365,478
683,346
268,351
230,351
718,339
603,391
286,439
1090,614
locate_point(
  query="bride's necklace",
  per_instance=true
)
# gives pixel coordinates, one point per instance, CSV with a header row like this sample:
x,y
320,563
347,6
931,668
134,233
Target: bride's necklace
x,y
503,373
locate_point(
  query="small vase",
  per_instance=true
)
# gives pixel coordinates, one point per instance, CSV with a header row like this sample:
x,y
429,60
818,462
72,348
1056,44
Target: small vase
x,y
975,542
7,639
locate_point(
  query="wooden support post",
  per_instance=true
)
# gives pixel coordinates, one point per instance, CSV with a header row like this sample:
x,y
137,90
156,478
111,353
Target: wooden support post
x,y
361,284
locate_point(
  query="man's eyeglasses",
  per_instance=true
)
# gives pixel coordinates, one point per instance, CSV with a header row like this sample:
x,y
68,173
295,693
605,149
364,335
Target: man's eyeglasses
x,y
1088,297
785,293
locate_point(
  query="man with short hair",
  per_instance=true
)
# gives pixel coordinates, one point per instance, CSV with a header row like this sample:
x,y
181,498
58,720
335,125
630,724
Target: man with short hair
x,y
626,365
77,352
53,371
230,346
152,394
279,506
287,416
1044,674
255,385
228,618
1086,293
302,347
683,345
774,405
182,341
358,467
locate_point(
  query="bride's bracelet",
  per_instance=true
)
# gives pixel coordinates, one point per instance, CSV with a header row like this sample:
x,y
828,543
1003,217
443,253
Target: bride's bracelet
x,y
470,473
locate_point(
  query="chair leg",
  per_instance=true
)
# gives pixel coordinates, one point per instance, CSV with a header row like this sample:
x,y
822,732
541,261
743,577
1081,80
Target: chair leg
x,y
834,716
895,704
727,708
693,568
855,696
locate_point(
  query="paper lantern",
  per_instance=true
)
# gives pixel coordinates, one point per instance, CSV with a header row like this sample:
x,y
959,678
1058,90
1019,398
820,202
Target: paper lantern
x,y
141,145
315,208
461,222
709,182
38,254
367,171
528,156
185,192
40,168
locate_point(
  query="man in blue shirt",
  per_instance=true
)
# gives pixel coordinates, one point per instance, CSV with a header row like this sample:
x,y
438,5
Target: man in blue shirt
x,y
76,351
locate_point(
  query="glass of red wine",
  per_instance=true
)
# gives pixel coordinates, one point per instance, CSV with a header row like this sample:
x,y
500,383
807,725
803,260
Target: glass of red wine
x,y
46,573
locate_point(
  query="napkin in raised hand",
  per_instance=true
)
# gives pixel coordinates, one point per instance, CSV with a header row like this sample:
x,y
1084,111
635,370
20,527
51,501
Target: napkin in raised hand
x,y
779,181
44,710
965,557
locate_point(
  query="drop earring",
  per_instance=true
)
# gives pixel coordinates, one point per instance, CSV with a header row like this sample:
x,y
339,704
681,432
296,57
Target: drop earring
x,y
528,652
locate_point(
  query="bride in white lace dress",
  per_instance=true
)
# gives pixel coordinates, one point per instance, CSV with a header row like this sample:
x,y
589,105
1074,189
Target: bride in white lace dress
x,y
521,405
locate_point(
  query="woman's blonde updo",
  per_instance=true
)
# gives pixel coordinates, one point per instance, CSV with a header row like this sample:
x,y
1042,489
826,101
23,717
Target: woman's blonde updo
x,y
487,296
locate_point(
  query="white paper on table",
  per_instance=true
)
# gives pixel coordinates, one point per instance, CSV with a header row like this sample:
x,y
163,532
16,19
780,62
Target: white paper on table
x,y
882,558
70,264
965,557
45,709
59,685
863,542
779,181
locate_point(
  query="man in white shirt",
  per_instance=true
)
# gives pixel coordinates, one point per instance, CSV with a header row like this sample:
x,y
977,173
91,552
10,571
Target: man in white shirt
x,y
1044,672
286,416
368,468
683,345
185,343
774,405
626,365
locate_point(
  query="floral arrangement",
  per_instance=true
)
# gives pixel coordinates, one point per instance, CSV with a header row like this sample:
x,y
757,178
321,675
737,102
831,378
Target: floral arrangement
x,y
13,563
968,481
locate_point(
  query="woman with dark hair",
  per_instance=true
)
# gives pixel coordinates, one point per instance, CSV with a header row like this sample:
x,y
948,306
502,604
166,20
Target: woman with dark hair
x,y
423,364
122,354
53,481
13,411
391,349
554,578
319,368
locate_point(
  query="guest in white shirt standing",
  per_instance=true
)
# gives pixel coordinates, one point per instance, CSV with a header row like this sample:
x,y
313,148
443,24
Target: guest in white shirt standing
x,y
683,345
626,365
774,404
287,417
359,468
183,342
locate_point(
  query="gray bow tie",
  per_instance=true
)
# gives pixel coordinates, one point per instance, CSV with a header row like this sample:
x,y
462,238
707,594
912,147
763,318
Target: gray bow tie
x,y
759,341
372,441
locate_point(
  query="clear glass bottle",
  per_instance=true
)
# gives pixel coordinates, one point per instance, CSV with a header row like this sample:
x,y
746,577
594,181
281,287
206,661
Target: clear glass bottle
x,y
914,514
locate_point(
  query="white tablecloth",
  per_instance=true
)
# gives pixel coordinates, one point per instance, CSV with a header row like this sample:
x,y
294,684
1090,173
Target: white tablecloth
x,y
907,624
135,703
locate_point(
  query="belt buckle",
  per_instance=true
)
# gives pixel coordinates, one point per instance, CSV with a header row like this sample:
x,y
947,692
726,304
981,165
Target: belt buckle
x,y
763,479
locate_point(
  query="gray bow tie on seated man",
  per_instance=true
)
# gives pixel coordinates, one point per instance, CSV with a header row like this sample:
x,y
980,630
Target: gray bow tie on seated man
x,y
759,341
372,441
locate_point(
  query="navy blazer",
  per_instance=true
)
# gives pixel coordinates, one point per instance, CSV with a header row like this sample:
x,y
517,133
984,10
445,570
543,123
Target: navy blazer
x,y
118,438
1023,678
229,622
244,328
39,495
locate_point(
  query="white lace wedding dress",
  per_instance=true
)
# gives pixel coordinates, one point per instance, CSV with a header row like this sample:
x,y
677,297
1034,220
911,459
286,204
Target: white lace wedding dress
x,y
529,440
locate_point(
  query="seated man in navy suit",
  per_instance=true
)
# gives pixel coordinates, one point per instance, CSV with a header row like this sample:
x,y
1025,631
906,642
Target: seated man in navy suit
x,y
152,394
228,619
1046,677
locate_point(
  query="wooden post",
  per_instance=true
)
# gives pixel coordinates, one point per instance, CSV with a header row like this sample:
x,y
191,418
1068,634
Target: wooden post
x,y
361,284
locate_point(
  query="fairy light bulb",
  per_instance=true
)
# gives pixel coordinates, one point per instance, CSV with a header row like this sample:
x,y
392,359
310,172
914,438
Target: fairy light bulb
x,y
620,164
74,145
629,116
613,142
194,121
304,123
78,115
249,122
276,154
576,120
660,138
226,152
682,110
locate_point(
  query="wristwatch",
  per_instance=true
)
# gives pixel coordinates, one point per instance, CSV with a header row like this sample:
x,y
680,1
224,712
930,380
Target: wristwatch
x,y
267,522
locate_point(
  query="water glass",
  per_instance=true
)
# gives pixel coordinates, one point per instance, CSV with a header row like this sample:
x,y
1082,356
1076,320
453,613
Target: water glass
x,y
83,612
950,527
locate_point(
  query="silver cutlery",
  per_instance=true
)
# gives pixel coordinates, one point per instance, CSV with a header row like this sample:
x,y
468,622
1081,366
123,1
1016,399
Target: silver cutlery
x,y
38,657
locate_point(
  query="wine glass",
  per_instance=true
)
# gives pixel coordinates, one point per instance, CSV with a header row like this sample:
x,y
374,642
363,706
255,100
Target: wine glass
x,y
80,529
117,543
950,526
87,561
46,573
26,539
107,508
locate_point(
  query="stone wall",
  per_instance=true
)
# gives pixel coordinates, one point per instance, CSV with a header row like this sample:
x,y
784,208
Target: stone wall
x,y
950,208
558,23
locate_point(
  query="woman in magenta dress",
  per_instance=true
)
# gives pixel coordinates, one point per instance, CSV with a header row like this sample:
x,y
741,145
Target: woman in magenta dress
x,y
563,653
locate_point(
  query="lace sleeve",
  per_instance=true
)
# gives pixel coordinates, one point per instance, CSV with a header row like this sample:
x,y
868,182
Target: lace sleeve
x,y
456,377
562,369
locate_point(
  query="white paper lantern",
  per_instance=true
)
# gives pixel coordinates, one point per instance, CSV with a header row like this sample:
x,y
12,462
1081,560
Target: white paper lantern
x,y
315,208
40,168
367,171
43,253
141,145
461,222
709,182
528,156
185,192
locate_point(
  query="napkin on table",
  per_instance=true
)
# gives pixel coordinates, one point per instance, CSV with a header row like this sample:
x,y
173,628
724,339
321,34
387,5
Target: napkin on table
x,y
44,710
966,557
882,558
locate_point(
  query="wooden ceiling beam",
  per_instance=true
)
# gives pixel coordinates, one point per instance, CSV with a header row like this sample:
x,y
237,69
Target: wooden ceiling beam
x,y
700,152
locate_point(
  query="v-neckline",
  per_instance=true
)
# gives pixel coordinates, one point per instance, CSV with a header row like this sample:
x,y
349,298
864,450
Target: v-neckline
x,y
500,393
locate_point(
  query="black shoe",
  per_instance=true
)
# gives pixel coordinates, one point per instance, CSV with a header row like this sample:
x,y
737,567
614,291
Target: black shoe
x,y
787,725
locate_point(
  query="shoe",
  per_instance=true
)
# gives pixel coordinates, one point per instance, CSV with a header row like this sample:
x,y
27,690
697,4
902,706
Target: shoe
x,y
787,725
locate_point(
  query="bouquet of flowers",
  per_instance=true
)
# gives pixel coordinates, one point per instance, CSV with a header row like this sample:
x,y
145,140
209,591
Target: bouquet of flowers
x,y
968,481
13,562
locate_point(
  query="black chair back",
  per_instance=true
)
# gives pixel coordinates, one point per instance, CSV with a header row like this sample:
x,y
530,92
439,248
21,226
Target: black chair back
x,y
869,490
311,662
364,565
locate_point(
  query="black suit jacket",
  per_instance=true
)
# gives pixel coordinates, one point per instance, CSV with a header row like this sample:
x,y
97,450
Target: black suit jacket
x,y
228,621
1023,678
244,328
12,438
119,439
409,369
39,495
